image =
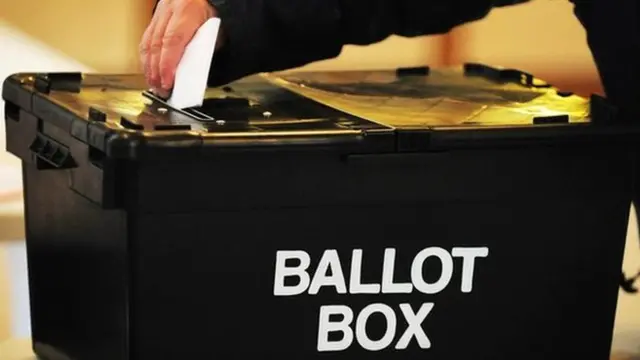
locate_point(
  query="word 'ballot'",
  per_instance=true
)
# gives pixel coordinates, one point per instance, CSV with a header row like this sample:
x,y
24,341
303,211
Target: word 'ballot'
x,y
293,265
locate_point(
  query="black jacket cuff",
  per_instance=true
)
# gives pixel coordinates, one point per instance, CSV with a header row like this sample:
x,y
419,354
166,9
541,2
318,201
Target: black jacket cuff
x,y
267,35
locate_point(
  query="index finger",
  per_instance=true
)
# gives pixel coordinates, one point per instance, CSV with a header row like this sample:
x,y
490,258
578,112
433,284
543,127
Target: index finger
x,y
180,31
144,46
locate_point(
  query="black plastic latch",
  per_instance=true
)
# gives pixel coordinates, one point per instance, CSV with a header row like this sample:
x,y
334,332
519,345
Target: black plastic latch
x,y
551,119
413,71
601,111
42,84
128,124
172,127
628,285
226,102
50,154
97,115
67,81
562,93
503,75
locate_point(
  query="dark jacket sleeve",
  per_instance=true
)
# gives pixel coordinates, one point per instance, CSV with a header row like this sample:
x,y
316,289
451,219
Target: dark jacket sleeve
x,y
613,36
273,35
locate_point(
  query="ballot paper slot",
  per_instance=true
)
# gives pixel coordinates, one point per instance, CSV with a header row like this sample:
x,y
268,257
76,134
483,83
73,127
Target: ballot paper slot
x,y
198,115
224,109
284,114
250,114
162,104
274,111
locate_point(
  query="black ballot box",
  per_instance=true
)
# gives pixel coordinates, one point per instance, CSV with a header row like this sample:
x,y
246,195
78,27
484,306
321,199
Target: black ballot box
x,y
432,213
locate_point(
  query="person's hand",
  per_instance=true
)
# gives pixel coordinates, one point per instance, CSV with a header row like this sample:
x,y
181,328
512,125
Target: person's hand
x,y
170,31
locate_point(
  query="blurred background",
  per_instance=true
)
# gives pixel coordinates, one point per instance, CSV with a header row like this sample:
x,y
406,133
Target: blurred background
x,y
542,37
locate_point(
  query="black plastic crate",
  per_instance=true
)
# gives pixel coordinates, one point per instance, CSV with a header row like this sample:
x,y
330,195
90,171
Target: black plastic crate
x,y
471,213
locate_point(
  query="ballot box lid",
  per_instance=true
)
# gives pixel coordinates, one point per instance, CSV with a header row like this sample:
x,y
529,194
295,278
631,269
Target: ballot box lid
x,y
399,110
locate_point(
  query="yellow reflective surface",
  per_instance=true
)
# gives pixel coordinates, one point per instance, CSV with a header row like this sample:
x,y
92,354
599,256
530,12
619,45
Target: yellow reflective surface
x,y
443,98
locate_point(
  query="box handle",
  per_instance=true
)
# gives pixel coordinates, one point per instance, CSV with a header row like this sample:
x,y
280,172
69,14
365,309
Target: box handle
x,y
50,154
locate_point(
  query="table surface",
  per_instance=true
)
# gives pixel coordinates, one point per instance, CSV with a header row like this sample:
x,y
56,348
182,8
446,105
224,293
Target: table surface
x,y
20,349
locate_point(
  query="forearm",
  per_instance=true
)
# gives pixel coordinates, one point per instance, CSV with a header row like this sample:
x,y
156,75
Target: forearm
x,y
272,35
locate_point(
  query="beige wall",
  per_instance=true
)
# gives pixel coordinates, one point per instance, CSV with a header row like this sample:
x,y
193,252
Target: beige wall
x,y
102,34
542,37
390,53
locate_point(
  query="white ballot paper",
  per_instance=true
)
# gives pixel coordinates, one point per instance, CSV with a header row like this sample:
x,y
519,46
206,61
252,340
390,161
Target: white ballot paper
x,y
193,69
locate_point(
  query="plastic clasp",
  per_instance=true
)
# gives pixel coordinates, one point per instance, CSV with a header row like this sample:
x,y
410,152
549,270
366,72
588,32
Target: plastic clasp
x,y
504,75
64,81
